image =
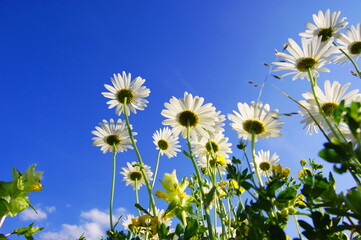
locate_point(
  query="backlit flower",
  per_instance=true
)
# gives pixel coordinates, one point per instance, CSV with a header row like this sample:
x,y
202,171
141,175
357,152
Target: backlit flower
x,y
265,162
133,175
166,142
122,87
326,25
255,119
110,135
329,100
313,55
216,145
350,43
190,111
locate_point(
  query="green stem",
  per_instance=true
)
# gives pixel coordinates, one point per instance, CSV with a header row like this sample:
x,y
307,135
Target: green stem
x,y
156,169
137,195
208,219
112,189
313,85
149,188
254,160
298,227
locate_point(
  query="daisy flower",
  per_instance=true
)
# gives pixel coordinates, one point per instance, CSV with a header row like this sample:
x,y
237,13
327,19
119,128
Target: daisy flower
x,y
216,144
255,119
329,100
127,222
190,111
166,142
110,135
327,25
122,87
313,55
351,44
265,162
132,174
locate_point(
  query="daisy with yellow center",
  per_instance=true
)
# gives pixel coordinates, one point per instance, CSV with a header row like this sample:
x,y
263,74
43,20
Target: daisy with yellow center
x,y
350,44
329,100
123,87
112,135
313,56
255,119
166,142
326,25
216,145
265,161
133,175
190,112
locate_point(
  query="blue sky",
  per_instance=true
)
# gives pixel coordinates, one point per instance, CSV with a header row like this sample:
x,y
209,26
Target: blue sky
x,y
55,57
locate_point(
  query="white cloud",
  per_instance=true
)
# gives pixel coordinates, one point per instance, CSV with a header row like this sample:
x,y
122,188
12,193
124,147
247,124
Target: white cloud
x,y
92,224
30,214
40,214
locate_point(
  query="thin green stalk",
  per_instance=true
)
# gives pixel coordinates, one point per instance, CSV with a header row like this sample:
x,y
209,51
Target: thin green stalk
x,y
298,227
208,219
149,188
137,195
309,113
112,189
156,169
313,85
254,160
184,218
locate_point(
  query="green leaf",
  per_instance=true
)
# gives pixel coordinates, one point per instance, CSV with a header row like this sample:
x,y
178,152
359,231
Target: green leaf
x,y
137,205
2,237
209,198
276,233
191,229
179,230
286,195
18,205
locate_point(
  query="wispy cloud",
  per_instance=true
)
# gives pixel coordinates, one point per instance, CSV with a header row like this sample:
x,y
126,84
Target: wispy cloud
x,y
40,214
92,224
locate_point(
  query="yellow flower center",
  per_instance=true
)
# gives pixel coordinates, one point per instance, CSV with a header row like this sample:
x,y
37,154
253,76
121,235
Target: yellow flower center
x,y
212,147
254,127
188,117
325,33
125,93
329,107
135,176
264,166
163,144
113,140
306,63
355,47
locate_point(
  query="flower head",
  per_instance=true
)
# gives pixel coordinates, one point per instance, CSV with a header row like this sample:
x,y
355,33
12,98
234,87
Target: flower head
x,y
213,146
133,175
329,100
166,142
190,111
265,162
327,25
255,119
350,43
122,87
110,135
313,55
